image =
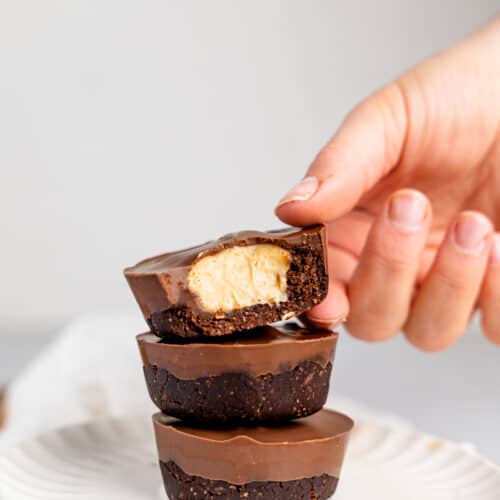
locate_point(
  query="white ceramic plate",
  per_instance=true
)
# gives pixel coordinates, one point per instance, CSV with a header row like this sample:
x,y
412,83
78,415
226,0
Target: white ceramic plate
x,y
115,459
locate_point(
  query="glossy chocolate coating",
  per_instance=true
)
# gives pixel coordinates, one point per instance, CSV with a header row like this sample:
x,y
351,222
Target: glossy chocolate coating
x,y
160,284
268,349
303,448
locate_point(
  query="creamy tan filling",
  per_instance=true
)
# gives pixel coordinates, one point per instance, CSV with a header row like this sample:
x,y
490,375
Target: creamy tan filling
x,y
241,276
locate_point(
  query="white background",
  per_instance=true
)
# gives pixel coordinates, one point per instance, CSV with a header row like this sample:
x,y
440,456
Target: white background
x,y
132,127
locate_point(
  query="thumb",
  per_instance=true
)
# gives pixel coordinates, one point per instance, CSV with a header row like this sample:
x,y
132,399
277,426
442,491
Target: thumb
x,y
367,146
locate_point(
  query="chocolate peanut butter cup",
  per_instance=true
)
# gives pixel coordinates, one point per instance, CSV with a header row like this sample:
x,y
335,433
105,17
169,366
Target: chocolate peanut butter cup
x,y
299,460
238,282
271,374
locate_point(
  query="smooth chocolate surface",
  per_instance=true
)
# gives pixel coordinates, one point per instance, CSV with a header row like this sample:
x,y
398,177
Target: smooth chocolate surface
x,y
268,349
299,449
237,282
181,486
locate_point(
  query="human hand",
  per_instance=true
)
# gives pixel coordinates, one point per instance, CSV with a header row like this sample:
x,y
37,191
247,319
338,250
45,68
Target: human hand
x,y
410,189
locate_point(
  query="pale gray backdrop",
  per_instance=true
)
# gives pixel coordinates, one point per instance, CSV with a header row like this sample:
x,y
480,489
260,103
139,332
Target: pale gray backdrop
x,y
131,127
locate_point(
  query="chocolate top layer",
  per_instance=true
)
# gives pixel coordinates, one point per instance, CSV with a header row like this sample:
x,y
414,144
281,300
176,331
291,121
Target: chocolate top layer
x,y
302,448
160,282
166,262
268,349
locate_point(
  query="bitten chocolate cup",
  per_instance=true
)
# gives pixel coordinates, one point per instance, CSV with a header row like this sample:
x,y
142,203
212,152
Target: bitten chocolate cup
x,y
238,282
298,460
272,374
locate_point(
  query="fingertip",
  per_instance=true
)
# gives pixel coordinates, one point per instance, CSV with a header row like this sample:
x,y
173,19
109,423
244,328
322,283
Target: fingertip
x,y
294,207
303,213
430,343
333,197
408,210
489,301
495,249
490,332
294,214
333,310
471,233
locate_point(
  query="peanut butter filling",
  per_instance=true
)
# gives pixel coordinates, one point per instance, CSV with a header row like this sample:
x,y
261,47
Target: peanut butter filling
x,y
241,276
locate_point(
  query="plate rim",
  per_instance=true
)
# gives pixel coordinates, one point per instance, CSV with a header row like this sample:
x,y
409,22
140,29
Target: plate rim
x,y
134,422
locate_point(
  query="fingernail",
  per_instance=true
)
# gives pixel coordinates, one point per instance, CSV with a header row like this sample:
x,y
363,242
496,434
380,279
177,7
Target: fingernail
x,y
327,323
407,210
495,249
304,190
470,232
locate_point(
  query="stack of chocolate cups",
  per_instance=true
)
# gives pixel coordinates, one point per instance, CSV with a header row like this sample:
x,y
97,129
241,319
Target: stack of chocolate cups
x,y
241,400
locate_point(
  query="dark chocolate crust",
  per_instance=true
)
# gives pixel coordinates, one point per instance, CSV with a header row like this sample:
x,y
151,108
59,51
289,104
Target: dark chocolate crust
x,y
180,485
240,398
307,285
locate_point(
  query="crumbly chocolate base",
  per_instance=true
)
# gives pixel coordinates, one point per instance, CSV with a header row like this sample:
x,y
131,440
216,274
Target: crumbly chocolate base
x,y
180,485
307,285
240,398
